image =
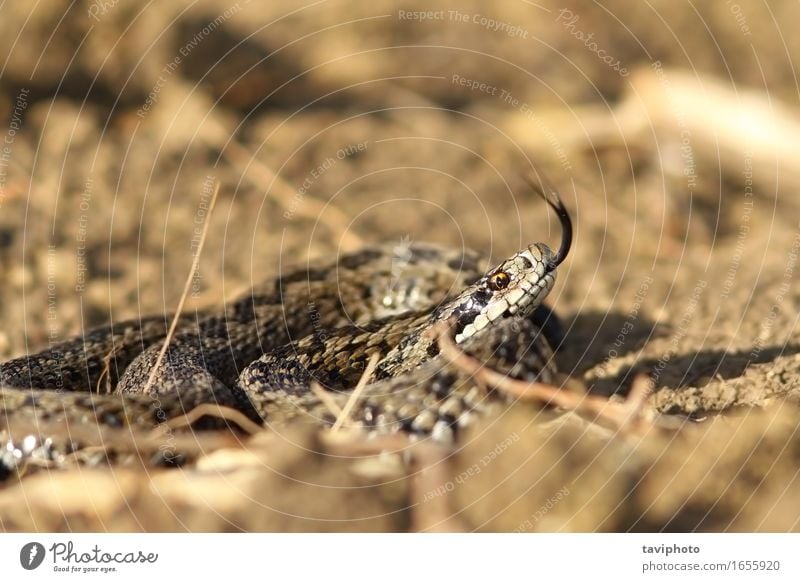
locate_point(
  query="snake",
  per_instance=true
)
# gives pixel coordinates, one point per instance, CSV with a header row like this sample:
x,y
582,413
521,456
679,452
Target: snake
x,y
320,323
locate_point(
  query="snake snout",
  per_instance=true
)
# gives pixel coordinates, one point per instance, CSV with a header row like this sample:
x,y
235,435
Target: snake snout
x,y
544,255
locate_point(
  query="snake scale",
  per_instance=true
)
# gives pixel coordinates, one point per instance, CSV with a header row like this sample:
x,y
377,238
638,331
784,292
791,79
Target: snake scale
x,y
321,322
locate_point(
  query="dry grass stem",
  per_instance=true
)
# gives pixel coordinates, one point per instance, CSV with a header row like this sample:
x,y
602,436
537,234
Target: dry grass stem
x,y
432,473
105,375
356,394
326,399
428,472
212,410
355,445
188,285
624,416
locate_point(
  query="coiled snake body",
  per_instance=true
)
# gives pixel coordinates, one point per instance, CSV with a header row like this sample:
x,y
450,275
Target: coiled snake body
x,y
321,323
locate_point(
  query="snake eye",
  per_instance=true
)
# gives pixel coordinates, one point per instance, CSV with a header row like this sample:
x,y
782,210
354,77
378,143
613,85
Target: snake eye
x,y
499,281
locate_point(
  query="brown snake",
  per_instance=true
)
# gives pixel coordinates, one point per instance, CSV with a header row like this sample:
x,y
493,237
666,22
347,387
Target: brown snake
x,y
321,323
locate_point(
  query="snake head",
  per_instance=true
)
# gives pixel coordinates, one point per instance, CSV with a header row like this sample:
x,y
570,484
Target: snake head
x,y
514,288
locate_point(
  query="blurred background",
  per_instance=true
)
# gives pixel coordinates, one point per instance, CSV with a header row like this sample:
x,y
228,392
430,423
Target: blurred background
x,y
670,128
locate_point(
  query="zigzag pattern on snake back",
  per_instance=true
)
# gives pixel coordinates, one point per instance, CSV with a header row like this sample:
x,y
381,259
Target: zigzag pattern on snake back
x,y
321,322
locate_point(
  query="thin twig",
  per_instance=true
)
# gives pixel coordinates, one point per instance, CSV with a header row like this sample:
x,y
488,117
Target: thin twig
x,y
356,394
436,513
326,399
347,445
625,416
125,440
213,410
105,374
175,318
640,391
428,473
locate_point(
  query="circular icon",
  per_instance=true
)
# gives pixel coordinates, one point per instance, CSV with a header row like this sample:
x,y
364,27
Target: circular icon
x,y
31,555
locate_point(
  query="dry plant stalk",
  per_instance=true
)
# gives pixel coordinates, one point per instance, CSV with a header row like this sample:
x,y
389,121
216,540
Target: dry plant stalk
x,y
125,440
429,471
326,399
435,514
625,416
187,286
105,374
214,411
354,445
356,394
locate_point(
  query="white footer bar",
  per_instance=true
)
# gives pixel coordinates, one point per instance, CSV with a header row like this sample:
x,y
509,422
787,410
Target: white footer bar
x,y
400,557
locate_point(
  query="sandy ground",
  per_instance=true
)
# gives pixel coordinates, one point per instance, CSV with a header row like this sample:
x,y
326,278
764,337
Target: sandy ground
x,y
334,126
